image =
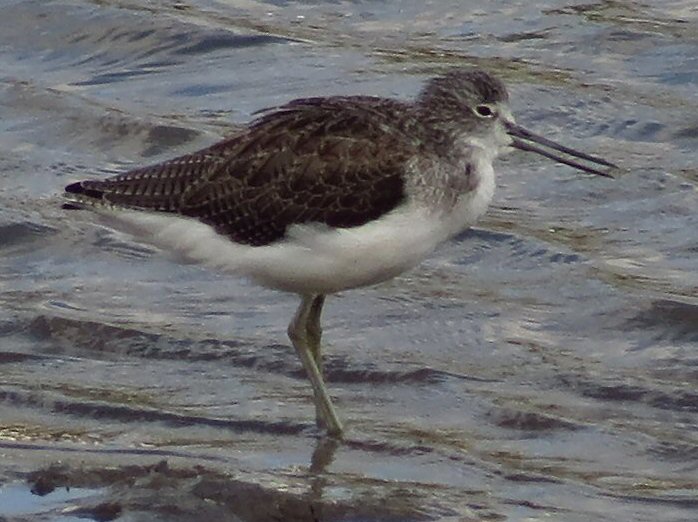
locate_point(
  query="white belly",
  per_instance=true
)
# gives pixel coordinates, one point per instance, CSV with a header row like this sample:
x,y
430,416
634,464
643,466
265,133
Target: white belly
x,y
315,259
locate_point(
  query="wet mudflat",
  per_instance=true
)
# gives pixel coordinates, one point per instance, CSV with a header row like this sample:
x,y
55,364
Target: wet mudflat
x,y
541,366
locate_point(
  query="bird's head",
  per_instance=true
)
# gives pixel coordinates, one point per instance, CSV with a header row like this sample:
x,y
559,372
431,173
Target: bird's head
x,y
473,105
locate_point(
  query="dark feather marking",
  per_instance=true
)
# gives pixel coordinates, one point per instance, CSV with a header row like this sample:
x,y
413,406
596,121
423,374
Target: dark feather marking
x,y
313,160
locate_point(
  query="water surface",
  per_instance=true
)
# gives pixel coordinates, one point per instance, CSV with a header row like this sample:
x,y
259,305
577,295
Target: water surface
x,y
541,366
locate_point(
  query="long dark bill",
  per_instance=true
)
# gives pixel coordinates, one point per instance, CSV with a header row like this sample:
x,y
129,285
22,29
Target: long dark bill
x,y
519,134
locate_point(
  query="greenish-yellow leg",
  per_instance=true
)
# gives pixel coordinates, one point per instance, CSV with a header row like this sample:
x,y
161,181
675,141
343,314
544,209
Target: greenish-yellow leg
x,y
314,330
305,334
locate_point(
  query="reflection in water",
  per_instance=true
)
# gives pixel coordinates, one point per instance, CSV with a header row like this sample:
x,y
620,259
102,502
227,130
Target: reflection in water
x,y
540,365
324,453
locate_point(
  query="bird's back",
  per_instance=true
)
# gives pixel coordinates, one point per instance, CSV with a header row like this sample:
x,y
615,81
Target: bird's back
x,y
336,161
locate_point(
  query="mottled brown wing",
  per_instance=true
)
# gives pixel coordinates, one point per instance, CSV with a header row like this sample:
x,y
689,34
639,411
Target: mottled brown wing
x,y
331,161
336,161
157,187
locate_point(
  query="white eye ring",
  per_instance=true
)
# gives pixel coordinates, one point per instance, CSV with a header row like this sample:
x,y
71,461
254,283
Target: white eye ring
x,y
485,111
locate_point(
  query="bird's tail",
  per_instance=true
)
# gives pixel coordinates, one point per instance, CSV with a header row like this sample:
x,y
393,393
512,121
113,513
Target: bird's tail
x,y
84,194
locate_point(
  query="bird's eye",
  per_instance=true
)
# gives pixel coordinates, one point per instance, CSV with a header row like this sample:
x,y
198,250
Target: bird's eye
x,y
484,111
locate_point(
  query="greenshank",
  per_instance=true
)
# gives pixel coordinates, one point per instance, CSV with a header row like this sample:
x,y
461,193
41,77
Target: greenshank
x,y
326,194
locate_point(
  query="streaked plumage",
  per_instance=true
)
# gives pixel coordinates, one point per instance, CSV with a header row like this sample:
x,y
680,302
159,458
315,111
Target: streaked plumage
x,y
317,160
325,194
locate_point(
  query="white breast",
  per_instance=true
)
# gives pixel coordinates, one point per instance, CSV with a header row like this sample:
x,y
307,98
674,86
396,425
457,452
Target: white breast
x,y
316,259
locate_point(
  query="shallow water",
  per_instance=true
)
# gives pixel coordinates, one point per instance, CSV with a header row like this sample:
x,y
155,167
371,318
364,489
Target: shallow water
x,y
541,366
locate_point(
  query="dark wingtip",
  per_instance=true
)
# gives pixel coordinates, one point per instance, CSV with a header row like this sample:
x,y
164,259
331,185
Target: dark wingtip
x,y
79,188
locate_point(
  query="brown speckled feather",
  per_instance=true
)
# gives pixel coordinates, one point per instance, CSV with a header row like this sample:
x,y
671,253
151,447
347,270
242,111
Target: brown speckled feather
x,y
337,161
